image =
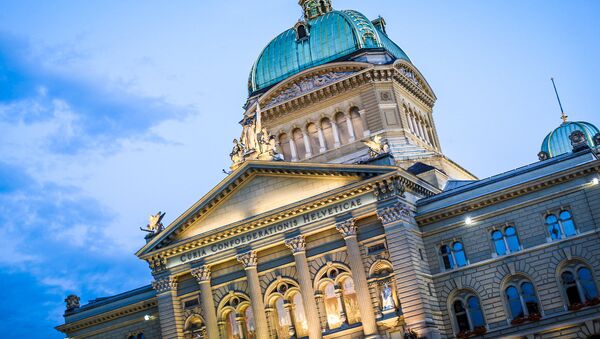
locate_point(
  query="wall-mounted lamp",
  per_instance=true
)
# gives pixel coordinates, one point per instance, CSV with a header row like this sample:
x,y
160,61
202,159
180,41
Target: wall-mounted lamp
x,y
595,181
468,220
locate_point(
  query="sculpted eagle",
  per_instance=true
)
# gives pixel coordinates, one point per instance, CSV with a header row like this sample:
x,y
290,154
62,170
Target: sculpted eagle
x,y
377,146
154,223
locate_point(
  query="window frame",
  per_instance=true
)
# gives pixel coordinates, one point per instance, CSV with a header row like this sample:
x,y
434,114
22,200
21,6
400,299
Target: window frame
x,y
452,254
574,268
556,212
463,297
517,282
504,238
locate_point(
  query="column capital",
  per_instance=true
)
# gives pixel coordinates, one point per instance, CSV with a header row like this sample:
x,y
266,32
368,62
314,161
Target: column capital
x,y
394,213
248,259
202,273
165,284
296,244
347,227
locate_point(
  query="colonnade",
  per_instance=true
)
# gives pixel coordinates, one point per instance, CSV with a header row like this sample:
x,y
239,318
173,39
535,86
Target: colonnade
x,y
315,138
313,311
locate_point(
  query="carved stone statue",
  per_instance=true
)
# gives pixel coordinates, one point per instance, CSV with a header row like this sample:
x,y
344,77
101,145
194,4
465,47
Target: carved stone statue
x,y
155,225
578,141
386,297
72,302
256,143
377,146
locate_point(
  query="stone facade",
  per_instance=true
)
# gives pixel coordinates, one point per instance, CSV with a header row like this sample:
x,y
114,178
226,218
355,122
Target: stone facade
x,y
340,241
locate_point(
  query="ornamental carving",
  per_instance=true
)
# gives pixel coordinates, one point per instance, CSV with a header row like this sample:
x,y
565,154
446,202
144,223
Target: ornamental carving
x,y
165,284
201,273
297,244
394,213
157,264
347,228
578,141
72,302
155,225
597,139
248,259
377,146
389,188
306,85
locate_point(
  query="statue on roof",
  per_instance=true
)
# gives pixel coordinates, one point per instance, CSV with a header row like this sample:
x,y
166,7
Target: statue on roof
x,y
255,143
155,225
377,146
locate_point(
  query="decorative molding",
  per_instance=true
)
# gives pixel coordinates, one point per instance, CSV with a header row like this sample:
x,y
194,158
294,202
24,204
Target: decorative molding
x,y
157,263
347,228
72,302
297,244
165,284
389,188
398,212
306,85
202,273
248,259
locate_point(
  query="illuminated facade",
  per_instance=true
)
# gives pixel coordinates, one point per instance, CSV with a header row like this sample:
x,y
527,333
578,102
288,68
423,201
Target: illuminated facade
x,y
342,218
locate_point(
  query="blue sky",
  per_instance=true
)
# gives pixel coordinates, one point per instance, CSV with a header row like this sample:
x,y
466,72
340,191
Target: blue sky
x,y
112,110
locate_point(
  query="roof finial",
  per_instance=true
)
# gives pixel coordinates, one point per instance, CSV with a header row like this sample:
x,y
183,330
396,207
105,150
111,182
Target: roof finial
x,y
562,112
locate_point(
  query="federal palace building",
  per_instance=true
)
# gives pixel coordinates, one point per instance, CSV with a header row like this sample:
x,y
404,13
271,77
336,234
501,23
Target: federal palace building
x,y
341,217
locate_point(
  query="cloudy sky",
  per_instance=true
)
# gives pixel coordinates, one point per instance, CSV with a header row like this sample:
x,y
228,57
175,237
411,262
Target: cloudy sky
x,y
112,110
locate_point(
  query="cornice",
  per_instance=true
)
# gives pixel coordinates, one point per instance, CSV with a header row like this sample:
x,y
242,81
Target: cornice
x,y
381,186
507,194
107,316
369,75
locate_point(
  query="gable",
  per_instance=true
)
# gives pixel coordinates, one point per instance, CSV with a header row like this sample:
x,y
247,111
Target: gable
x,y
264,193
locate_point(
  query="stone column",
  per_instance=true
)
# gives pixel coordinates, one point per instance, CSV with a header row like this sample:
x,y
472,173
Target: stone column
x,y
298,247
249,260
171,317
351,136
202,275
322,312
363,117
321,140
417,301
293,149
336,134
365,306
307,146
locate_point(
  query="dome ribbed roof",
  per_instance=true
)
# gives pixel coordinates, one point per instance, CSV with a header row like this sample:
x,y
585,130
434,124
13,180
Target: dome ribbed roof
x,y
557,142
332,36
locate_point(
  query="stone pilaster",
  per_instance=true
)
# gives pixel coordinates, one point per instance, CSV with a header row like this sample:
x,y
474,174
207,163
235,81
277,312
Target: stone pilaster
x,y
367,313
412,284
298,247
171,317
202,275
249,261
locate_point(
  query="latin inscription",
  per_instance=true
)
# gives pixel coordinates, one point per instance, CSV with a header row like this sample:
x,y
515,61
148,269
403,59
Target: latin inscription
x,y
270,230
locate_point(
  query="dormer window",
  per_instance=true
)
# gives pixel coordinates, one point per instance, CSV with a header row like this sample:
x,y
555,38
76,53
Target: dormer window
x,y
301,31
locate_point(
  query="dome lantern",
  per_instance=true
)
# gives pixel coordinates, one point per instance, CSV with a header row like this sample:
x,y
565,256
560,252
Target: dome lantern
x,y
315,8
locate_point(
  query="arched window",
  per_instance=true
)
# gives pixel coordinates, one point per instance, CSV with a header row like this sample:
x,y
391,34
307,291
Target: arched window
x,y
284,144
332,306
249,325
327,133
301,32
313,137
299,142
193,327
579,286
566,221
467,313
232,328
300,321
447,259
506,241
357,123
561,226
460,313
282,319
522,301
342,127
459,254
350,301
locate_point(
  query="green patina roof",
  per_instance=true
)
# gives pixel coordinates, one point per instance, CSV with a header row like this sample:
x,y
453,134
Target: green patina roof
x,y
557,142
332,36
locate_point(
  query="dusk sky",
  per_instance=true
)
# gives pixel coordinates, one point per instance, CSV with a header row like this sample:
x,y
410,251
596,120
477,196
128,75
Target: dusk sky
x,y
113,110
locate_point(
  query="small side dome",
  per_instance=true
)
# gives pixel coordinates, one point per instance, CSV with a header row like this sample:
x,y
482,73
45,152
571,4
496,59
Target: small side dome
x,y
557,142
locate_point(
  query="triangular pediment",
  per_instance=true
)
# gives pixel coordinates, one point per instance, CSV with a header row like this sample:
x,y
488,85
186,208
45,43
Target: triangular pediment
x,y
259,188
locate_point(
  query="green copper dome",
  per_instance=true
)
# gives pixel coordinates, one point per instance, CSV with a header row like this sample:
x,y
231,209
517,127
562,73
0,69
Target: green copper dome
x,y
335,35
558,142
